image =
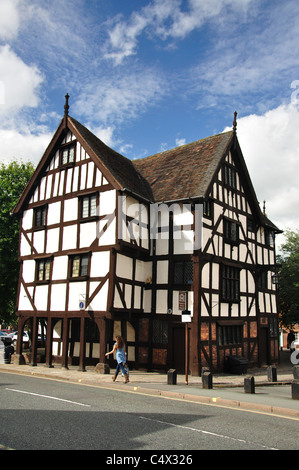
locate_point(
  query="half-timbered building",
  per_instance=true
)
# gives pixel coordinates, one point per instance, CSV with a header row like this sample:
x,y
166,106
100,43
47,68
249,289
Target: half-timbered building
x,y
112,246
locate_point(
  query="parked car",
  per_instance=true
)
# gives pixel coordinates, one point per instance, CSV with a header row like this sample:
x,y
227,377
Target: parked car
x,y
25,338
3,335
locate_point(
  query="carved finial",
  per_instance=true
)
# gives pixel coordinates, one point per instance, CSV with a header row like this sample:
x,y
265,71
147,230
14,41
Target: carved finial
x,y
235,121
264,208
66,106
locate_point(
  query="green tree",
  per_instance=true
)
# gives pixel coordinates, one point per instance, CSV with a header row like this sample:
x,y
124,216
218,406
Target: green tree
x,y
13,179
289,280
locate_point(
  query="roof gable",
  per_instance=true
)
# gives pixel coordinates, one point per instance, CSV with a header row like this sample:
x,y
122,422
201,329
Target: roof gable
x,y
117,169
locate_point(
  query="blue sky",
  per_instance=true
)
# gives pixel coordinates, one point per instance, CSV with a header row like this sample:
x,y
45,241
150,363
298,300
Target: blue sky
x,y
147,76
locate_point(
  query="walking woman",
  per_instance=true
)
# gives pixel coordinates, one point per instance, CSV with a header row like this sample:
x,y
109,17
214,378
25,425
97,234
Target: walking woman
x,y
120,349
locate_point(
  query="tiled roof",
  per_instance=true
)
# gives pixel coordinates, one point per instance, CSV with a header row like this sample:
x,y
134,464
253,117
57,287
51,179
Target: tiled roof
x,y
186,171
183,172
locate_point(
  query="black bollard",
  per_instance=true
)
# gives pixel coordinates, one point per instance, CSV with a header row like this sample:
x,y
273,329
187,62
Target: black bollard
x,y
207,380
295,390
249,386
171,377
272,374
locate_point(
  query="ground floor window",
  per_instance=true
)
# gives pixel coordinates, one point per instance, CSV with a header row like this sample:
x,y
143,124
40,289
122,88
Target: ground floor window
x,y
230,334
160,331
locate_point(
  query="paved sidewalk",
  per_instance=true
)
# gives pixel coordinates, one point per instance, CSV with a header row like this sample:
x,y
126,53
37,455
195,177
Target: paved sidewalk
x,y
228,390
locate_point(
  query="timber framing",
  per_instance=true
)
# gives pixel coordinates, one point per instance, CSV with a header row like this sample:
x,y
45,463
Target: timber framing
x,y
93,264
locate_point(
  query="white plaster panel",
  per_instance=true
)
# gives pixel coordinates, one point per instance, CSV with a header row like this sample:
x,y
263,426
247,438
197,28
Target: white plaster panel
x,y
137,297
100,264
41,297
162,301
99,303
215,277
60,266
143,270
106,233
83,176
128,295
162,272
76,289
27,220
107,202
25,248
28,271
124,267
76,179
205,276
39,241
147,300
88,233
70,209
69,176
54,213
69,237
49,186
24,303
90,174
58,295
52,240
98,178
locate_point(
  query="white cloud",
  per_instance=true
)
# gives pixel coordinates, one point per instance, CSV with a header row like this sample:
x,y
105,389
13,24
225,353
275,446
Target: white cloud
x,y
9,19
164,19
270,144
120,97
24,146
179,142
19,82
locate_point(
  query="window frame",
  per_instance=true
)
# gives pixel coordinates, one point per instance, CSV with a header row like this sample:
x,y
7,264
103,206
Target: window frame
x,y
40,212
230,334
90,216
230,283
229,176
228,231
185,279
82,275
46,270
67,147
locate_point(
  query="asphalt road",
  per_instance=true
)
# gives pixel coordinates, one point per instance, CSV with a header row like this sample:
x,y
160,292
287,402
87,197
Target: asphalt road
x,y
39,414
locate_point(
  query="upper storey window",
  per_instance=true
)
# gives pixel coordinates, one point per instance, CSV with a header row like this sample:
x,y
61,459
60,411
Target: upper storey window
x,y
89,206
40,217
230,176
67,154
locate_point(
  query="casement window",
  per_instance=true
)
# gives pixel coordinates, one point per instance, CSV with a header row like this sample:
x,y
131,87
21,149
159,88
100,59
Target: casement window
x,y
230,176
262,280
88,206
207,208
269,237
250,225
230,334
183,272
79,266
43,270
67,154
230,283
40,217
231,231
160,331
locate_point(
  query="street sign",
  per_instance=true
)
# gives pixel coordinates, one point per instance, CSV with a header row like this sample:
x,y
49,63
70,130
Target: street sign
x,y
182,300
186,316
82,301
